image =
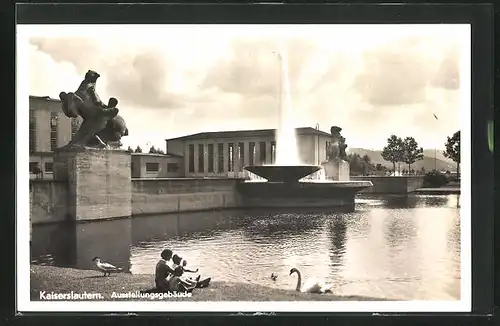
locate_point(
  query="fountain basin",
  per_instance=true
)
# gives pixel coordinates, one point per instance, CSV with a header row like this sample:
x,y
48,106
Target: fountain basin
x,y
300,194
278,173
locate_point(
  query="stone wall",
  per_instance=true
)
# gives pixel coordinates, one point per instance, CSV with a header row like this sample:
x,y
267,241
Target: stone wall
x,y
153,196
391,185
48,199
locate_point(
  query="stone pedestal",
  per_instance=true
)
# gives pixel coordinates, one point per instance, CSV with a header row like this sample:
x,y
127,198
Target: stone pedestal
x,y
99,184
337,170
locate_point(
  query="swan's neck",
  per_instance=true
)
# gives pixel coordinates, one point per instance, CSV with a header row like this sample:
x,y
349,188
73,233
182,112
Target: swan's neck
x,y
299,280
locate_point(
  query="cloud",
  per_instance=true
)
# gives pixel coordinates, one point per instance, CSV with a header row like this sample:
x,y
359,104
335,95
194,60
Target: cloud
x,y
395,74
400,84
252,67
83,53
48,77
340,69
140,79
448,75
195,84
399,73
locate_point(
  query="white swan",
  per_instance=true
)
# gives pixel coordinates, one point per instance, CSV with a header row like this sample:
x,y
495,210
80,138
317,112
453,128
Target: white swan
x,y
312,285
106,268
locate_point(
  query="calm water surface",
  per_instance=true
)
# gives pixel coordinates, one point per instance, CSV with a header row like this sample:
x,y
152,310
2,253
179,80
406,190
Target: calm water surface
x,y
396,248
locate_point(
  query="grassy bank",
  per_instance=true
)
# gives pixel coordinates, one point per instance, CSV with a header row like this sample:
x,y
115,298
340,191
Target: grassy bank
x,y
64,280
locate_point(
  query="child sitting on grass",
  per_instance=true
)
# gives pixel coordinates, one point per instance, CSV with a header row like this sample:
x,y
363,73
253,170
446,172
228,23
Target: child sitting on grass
x,y
177,284
179,262
184,263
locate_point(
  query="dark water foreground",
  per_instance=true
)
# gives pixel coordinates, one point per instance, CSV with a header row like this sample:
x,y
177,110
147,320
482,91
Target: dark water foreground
x,y
407,248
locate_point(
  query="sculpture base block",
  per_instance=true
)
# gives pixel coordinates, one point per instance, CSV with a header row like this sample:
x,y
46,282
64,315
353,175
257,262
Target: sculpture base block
x,y
337,170
99,182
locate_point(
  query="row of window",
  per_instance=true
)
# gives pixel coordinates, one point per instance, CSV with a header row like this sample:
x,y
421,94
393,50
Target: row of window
x,y
32,126
231,156
54,133
35,167
53,130
150,167
155,167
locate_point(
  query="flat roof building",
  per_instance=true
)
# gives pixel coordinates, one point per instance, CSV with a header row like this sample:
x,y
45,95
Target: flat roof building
x,y
149,165
225,153
205,154
49,128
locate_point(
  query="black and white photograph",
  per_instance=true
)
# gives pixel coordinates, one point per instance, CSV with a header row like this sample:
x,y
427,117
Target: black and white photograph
x,y
244,167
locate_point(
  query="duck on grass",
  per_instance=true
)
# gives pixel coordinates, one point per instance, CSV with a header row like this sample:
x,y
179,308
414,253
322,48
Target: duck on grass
x,y
106,268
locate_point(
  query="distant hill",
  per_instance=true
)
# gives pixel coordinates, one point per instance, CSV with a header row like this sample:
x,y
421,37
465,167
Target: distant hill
x,y
442,163
439,155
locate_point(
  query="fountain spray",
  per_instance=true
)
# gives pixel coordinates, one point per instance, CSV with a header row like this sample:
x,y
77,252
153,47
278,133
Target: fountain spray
x,y
286,140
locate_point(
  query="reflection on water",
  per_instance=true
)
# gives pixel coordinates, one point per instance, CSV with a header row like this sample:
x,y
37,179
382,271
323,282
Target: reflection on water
x,y
71,245
394,247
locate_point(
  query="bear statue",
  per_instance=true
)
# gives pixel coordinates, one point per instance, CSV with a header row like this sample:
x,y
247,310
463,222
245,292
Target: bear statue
x,y
337,146
101,126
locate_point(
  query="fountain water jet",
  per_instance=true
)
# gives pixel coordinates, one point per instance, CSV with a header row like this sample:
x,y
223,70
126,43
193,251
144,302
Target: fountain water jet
x,y
287,166
286,148
288,183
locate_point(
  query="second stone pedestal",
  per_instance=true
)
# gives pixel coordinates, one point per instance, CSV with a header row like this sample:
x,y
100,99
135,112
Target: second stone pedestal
x,y
337,170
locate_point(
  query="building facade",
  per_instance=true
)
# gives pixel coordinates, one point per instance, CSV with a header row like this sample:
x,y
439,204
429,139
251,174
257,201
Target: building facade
x,y
49,128
207,154
226,153
146,165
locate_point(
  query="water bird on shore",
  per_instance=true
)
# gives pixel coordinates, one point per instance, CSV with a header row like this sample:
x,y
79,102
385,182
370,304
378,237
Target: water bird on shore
x,y
106,268
274,276
312,285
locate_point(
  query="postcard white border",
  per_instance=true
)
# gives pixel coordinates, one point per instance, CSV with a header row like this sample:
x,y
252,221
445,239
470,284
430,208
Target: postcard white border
x,y
22,201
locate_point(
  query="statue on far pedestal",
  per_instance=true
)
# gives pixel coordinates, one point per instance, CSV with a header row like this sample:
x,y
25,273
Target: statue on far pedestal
x,y
102,127
337,147
336,167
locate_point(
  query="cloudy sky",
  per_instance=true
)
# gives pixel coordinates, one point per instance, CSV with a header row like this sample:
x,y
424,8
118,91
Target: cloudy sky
x,y
172,80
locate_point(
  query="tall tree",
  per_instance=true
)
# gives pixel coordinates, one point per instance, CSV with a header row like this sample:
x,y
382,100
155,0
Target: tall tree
x,y
138,149
394,150
453,149
130,150
354,163
359,165
152,150
411,151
